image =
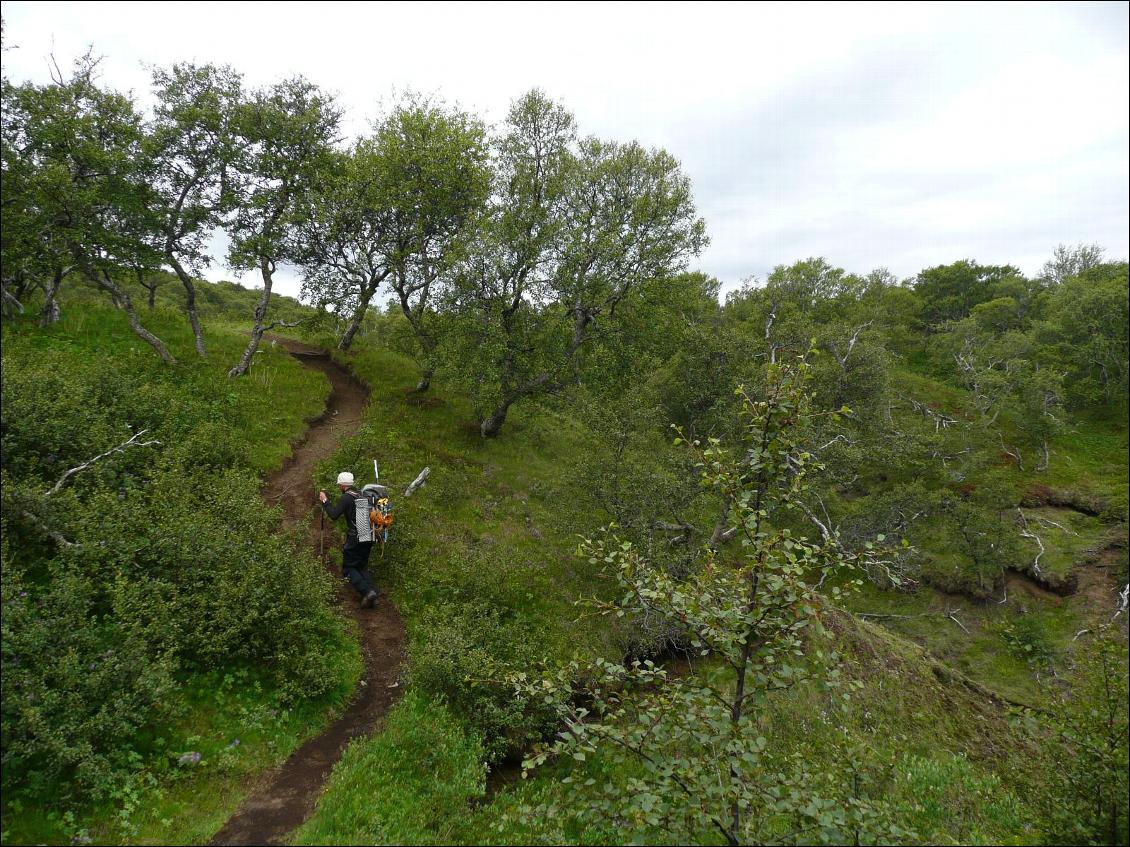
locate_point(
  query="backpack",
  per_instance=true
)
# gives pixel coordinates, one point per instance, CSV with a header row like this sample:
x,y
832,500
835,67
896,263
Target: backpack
x,y
379,512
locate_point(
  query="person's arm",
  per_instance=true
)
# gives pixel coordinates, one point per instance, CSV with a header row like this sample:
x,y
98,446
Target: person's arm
x,y
337,509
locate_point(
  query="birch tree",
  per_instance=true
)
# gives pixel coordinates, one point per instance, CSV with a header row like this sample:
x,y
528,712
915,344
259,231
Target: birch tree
x,y
191,148
396,209
288,130
698,763
574,229
87,202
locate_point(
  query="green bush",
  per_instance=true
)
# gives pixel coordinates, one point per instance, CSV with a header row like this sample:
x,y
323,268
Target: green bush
x,y
1026,638
461,656
154,564
933,794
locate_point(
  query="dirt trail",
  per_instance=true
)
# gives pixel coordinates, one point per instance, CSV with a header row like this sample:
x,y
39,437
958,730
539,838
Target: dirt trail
x,y
287,795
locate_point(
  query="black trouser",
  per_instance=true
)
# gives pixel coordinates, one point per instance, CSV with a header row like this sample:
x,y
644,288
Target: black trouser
x,y
355,565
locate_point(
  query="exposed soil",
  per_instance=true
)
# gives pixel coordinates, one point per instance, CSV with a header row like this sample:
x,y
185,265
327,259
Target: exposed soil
x,y
287,795
1019,585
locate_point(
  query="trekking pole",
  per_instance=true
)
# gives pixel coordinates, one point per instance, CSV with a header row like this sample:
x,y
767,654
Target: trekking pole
x,y
321,533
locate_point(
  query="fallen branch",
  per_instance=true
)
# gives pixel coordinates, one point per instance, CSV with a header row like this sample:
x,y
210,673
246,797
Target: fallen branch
x,y
941,421
418,482
952,615
1050,522
121,448
1027,533
840,437
284,324
1014,453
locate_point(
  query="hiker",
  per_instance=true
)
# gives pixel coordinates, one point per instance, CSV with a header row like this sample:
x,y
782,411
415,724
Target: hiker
x,y
358,536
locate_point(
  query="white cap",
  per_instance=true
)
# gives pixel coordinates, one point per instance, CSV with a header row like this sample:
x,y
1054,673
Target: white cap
x,y
345,478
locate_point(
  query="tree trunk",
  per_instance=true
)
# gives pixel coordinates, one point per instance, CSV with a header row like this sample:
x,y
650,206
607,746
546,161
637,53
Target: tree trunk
x,y
122,301
490,427
50,312
722,533
152,289
426,380
1047,457
266,268
189,302
539,384
367,292
354,325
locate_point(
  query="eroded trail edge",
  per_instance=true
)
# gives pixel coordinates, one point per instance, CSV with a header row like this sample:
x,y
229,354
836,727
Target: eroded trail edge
x,y
289,793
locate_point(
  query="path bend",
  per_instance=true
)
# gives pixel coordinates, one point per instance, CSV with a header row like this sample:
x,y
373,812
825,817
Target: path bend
x,y
286,798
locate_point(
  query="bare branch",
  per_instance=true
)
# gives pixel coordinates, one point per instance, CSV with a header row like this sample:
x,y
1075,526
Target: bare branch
x,y
952,615
1049,522
941,421
53,534
418,482
121,448
284,324
1027,533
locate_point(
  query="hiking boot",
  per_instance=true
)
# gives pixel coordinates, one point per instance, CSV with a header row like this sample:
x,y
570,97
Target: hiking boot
x,y
370,600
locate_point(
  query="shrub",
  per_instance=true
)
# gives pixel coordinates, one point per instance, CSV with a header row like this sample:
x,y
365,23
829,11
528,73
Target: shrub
x,y
174,567
461,653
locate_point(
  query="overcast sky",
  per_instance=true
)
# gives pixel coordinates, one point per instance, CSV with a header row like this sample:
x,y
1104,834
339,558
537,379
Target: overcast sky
x,y
887,135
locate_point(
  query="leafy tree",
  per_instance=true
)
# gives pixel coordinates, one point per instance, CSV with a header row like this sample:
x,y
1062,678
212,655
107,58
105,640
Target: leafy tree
x,y
784,311
289,130
84,201
949,292
1039,395
1086,801
397,209
996,316
1090,326
702,764
985,534
1071,261
982,363
191,148
574,229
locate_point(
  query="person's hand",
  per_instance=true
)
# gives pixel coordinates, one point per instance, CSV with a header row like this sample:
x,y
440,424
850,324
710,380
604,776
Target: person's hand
x,y
321,497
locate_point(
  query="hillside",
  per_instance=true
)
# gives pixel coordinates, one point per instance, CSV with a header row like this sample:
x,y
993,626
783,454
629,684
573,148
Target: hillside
x,y
485,574
829,556
173,732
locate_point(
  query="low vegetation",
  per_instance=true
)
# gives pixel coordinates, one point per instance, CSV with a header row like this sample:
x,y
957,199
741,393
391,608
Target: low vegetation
x,y
836,558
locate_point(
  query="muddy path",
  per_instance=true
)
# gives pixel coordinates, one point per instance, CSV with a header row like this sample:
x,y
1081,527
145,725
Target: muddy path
x,y
286,796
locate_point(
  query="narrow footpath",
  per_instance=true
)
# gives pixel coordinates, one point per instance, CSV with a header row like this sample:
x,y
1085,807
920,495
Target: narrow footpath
x,y
289,793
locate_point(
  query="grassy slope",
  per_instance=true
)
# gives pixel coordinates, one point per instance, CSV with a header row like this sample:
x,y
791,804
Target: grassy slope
x,y
1090,458
269,408
496,526
421,780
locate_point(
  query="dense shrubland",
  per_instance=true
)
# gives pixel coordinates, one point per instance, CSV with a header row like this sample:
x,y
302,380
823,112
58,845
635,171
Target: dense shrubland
x,y
541,338
138,583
